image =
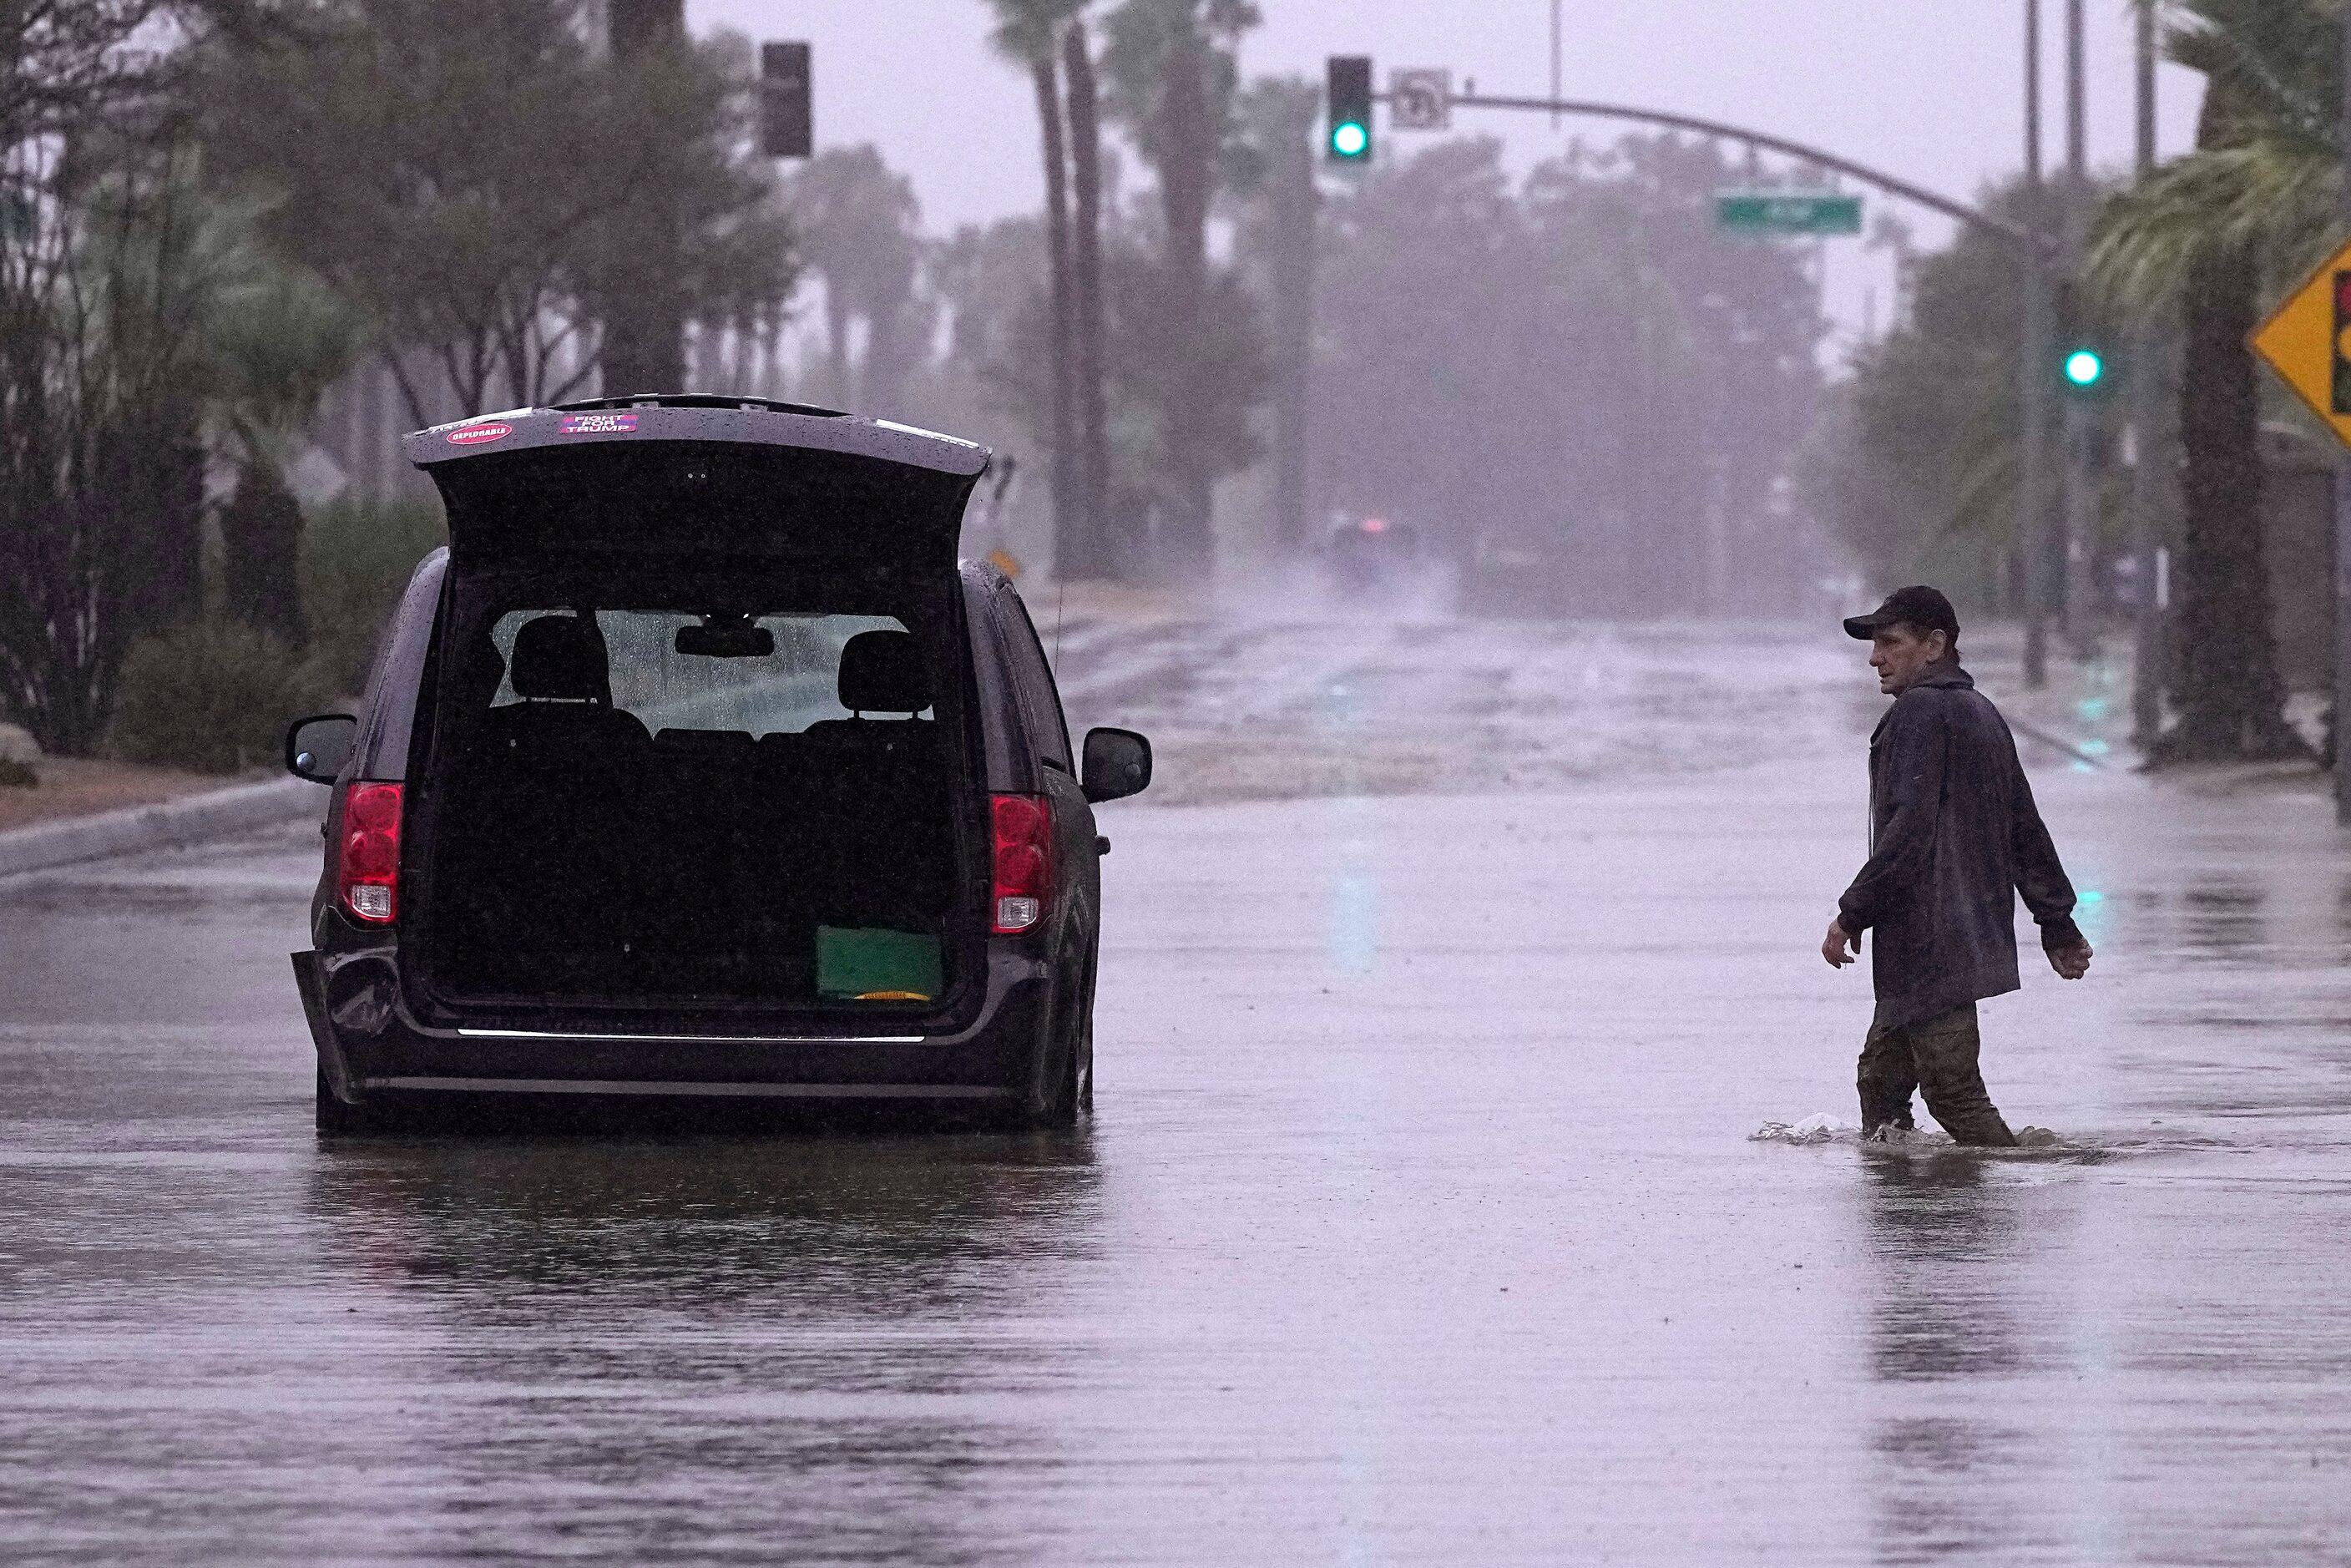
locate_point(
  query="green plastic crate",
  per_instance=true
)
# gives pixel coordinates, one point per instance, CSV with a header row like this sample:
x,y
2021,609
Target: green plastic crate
x,y
854,962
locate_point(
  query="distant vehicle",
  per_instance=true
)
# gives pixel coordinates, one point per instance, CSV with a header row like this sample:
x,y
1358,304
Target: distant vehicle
x,y
696,765
1372,557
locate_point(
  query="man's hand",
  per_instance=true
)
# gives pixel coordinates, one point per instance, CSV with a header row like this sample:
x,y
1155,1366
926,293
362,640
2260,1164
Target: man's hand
x,y
1839,946
2072,962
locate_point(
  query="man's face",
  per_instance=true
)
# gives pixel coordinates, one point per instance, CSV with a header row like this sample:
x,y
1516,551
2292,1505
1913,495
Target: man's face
x,y
1901,653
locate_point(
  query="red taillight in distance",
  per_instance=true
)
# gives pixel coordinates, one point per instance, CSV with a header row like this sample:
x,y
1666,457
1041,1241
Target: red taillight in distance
x,y
1024,859
366,869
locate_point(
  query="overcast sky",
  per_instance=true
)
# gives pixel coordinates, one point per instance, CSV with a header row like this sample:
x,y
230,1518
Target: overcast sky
x,y
1924,89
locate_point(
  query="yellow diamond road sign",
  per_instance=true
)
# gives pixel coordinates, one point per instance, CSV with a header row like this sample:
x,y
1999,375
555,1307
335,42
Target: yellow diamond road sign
x,y
2308,343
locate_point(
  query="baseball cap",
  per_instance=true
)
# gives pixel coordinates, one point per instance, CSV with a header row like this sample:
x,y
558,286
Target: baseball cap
x,y
1925,608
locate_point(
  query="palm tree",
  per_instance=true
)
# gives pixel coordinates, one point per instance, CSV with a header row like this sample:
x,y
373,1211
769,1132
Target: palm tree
x,y
2260,189
1174,77
1029,34
858,223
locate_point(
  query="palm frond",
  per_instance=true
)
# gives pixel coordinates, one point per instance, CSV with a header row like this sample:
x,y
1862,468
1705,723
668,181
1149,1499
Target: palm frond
x,y
1029,30
2280,59
2279,199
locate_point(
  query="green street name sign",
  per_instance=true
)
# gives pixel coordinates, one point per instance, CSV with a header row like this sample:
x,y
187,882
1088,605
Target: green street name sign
x,y
1786,213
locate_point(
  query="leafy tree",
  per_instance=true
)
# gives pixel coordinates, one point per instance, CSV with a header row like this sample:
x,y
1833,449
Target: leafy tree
x,y
1577,372
467,175
860,230
276,338
702,237
1174,77
2260,191
1916,467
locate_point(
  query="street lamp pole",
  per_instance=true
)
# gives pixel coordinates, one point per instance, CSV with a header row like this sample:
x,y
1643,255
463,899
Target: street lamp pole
x,y
2031,506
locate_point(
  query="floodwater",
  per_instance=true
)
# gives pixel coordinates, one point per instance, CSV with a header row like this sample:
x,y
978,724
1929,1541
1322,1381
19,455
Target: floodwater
x,y
1418,1220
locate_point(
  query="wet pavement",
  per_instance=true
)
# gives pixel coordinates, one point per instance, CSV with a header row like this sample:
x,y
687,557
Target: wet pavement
x,y
1418,1220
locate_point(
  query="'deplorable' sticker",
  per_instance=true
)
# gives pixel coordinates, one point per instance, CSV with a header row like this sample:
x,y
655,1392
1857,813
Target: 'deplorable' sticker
x,y
599,423
474,434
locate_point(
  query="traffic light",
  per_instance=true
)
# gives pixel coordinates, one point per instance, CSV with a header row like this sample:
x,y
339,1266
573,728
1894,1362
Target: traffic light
x,y
1348,88
2084,367
787,101
2083,371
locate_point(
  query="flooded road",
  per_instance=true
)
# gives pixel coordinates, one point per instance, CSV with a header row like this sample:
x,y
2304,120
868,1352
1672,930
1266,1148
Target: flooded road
x,y
1418,1220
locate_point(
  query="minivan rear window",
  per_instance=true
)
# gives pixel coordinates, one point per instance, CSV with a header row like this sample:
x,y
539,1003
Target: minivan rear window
x,y
781,693
650,793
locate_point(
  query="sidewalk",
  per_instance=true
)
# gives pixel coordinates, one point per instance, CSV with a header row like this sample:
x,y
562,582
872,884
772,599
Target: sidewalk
x,y
73,787
86,810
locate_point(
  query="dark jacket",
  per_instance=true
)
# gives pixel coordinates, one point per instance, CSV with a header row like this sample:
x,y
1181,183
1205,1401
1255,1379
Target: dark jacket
x,y
1954,837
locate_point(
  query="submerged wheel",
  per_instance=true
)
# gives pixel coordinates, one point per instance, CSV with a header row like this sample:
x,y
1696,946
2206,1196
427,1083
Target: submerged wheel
x,y
1055,1086
335,1117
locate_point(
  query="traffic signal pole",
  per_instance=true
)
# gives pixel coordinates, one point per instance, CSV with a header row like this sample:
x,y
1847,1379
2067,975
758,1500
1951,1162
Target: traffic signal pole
x,y
2343,521
2015,233
2146,394
2032,477
2077,554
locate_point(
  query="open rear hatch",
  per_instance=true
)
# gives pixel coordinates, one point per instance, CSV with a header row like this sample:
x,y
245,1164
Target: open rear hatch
x,y
701,738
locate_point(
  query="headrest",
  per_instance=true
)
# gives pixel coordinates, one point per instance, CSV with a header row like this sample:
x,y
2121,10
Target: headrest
x,y
881,671
561,658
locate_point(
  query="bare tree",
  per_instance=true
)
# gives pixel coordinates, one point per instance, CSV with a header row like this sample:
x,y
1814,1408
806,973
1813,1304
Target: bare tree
x,y
100,313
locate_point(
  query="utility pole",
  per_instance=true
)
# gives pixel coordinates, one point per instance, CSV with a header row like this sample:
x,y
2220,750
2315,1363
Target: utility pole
x,y
2031,506
2146,392
2077,554
1554,61
2343,530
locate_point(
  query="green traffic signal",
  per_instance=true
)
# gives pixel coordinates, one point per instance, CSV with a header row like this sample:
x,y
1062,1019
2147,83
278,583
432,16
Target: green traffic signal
x,y
2084,368
1347,96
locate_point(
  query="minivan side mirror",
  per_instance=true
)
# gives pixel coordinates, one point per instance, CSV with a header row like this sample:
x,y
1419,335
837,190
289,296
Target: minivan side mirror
x,y
1117,764
317,747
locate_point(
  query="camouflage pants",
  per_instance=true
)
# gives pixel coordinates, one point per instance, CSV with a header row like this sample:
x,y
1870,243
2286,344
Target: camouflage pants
x,y
1936,1056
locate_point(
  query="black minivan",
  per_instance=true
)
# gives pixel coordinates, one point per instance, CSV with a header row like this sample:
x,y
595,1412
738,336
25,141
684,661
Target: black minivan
x,y
698,766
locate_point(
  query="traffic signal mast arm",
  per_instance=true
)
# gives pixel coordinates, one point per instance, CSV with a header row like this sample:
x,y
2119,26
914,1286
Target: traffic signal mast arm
x,y
2043,247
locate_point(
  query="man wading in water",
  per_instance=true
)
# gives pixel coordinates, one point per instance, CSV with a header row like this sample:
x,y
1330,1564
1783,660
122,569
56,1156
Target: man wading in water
x,y
1954,838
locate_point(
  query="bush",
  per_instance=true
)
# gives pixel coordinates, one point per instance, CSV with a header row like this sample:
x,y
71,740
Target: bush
x,y
212,697
356,558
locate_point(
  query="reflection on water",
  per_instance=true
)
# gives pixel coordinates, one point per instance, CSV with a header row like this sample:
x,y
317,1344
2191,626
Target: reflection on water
x,y
1947,1240
628,1350
2224,919
806,1321
820,1226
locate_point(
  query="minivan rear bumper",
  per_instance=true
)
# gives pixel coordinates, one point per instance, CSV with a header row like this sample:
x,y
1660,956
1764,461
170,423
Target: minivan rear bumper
x,y
368,1049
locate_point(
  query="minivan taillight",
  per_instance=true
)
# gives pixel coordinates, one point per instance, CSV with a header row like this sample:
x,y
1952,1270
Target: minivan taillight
x,y
367,871
1024,859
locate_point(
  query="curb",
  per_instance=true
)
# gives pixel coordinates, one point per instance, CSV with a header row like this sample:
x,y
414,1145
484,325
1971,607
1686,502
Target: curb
x,y
172,824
